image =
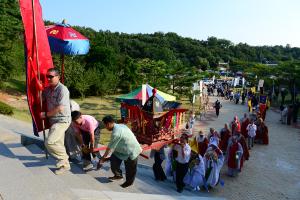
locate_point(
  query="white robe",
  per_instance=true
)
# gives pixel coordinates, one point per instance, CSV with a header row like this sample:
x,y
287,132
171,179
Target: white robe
x,y
196,176
215,171
168,166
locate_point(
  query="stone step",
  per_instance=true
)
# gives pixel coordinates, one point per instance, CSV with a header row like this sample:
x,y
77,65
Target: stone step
x,y
46,179
16,126
7,135
125,195
94,195
76,178
169,186
5,153
18,182
97,180
144,183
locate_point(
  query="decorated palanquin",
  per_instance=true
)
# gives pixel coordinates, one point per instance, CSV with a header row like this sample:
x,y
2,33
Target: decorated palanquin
x,y
150,127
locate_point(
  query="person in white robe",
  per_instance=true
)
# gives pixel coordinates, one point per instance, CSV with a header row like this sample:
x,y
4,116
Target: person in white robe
x,y
196,174
214,160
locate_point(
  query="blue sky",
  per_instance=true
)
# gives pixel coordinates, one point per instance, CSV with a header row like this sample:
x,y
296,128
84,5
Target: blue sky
x,y
256,22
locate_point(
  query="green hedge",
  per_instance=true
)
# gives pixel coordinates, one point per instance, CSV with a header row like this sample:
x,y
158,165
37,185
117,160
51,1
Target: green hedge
x,y
6,109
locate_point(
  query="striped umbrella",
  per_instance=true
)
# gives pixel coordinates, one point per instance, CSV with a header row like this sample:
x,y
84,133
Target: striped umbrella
x,y
66,41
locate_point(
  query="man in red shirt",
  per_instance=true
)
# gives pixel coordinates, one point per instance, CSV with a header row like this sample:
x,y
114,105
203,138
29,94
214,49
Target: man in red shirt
x,y
88,132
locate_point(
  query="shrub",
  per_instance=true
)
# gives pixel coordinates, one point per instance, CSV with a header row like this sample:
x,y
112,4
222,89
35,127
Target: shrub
x,y
6,109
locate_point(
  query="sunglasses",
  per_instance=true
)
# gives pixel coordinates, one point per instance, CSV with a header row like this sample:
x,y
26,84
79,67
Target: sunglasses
x,y
50,76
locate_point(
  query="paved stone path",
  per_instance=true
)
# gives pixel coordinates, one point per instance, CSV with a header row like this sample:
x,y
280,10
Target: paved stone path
x,y
273,171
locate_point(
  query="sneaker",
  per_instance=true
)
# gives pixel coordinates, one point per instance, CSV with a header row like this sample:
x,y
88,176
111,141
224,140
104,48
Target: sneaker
x,y
115,178
62,170
61,163
88,167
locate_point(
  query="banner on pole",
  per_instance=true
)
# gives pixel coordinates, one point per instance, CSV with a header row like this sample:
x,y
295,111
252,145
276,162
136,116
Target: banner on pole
x,y
201,87
236,81
243,81
37,50
260,84
195,86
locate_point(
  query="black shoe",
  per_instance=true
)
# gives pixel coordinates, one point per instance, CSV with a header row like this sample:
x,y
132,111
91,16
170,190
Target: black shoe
x,y
179,190
115,178
125,185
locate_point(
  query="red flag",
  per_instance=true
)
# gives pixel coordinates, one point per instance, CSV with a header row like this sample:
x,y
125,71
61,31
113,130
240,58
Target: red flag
x,y
37,55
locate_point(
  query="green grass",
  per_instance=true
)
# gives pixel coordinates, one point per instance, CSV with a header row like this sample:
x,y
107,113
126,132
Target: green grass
x,y
5,109
15,86
100,107
23,115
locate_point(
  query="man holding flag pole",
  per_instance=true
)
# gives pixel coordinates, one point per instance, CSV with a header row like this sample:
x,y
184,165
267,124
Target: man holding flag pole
x,y
56,97
39,65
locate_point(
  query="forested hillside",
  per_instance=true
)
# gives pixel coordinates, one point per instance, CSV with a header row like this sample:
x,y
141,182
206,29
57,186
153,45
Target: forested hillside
x,y
118,62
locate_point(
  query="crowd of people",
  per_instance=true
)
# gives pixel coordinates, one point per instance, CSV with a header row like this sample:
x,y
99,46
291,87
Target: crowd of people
x,y
197,161
194,161
74,135
289,113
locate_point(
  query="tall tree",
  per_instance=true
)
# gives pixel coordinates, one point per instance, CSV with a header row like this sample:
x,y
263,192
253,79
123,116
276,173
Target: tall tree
x,y
10,31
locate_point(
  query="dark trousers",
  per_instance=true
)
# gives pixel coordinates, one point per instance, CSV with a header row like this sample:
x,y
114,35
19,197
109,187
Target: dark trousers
x,y
87,139
157,169
289,119
130,168
250,142
295,117
181,170
217,112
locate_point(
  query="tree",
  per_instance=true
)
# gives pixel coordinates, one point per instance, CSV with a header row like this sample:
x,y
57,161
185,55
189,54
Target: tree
x,y
152,72
77,79
202,63
289,73
129,77
10,31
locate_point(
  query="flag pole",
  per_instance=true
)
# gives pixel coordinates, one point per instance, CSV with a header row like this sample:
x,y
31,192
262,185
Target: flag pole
x,y
39,73
62,68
